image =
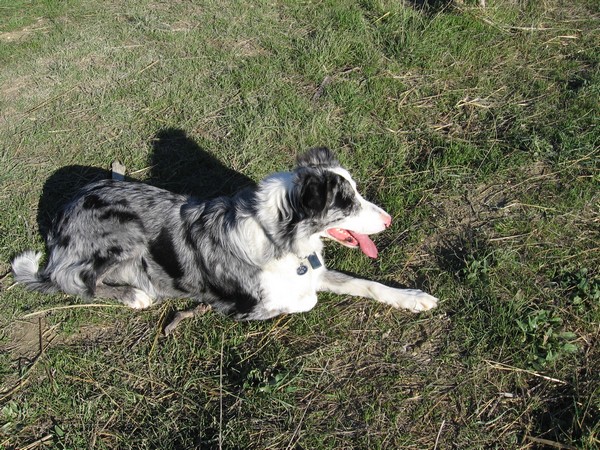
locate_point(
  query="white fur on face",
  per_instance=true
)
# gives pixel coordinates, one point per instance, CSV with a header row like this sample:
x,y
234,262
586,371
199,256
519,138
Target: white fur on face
x,y
370,219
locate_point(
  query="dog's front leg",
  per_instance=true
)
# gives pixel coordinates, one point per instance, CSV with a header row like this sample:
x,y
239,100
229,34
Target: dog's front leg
x,y
411,299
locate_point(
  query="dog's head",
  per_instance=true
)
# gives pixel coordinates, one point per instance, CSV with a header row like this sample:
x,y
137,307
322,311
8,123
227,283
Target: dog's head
x,y
326,200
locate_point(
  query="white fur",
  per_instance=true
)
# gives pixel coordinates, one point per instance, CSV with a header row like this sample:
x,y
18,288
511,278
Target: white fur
x,y
140,301
240,255
371,218
26,263
286,291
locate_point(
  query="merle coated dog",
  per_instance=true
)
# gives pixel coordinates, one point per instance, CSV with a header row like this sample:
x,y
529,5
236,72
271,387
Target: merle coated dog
x,y
251,256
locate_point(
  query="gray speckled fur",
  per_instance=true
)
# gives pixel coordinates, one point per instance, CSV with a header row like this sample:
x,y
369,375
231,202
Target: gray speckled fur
x,y
241,255
117,235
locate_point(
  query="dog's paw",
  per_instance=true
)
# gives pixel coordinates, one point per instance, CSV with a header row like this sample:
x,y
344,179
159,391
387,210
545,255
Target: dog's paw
x,y
414,300
139,300
423,302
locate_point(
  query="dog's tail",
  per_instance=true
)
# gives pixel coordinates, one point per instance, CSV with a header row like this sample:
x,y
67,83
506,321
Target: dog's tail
x,y
25,269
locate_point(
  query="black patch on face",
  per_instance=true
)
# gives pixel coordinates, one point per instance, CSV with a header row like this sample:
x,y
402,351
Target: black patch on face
x,y
92,201
313,192
120,216
344,197
322,191
163,253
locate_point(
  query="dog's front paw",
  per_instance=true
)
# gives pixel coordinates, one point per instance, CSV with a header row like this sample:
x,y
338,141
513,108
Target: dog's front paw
x,y
414,300
423,302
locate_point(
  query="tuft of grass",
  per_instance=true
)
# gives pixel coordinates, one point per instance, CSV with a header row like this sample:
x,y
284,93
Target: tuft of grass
x,y
476,128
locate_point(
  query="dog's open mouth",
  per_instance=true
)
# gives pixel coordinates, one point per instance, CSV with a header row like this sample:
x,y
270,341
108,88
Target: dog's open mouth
x,y
354,239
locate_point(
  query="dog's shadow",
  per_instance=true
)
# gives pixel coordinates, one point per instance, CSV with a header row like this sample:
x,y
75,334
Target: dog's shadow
x,y
177,163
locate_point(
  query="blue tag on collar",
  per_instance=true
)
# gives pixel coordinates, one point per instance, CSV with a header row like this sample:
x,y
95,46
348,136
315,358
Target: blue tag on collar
x,y
314,261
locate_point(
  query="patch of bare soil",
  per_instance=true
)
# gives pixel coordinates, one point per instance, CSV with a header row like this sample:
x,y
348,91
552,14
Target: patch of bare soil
x,y
28,338
16,35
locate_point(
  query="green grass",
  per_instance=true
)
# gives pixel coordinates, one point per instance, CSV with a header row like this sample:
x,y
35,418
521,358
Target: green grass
x,y
476,128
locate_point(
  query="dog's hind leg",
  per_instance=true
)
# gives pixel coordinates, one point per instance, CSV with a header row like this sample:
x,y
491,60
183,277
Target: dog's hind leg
x,y
132,297
411,299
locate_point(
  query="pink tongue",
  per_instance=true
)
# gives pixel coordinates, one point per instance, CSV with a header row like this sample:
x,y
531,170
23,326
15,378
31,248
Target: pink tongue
x,y
366,244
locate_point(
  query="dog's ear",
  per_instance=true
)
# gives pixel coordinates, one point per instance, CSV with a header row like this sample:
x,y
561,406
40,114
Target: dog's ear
x,y
313,192
318,157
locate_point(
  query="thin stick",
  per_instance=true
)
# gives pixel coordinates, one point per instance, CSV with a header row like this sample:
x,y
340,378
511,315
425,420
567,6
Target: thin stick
x,y
50,100
221,394
437,439
87,305
37,443
547,442
501,366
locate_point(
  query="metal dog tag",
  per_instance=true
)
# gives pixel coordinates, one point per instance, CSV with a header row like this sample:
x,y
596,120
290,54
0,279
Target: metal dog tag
x,y
314,261
302,269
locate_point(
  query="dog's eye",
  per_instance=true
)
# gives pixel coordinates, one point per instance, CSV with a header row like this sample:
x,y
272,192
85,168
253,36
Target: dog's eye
x,y
342,200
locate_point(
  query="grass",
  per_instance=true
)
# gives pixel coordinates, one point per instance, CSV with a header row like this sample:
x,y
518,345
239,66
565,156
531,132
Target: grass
x,y
477,128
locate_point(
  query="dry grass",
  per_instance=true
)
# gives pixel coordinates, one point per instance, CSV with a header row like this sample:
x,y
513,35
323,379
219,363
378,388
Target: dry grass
x,y
476,127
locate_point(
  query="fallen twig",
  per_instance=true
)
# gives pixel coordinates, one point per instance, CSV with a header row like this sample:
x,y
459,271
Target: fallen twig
x,y
86,305
502,366
37,443
437,438
550,443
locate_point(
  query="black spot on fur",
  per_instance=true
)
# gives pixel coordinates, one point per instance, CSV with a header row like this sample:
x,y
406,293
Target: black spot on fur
x,y
313,194
318,157
163,253
344,197
89,280
242,302
177,284
115,250
99,261
92,201
120,216
64,241
144,265
102,259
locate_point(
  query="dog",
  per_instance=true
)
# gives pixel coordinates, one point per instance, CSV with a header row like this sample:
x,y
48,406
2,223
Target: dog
x,y
252,256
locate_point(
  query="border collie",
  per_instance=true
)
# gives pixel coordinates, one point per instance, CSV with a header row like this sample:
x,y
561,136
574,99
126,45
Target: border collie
x,y
251,256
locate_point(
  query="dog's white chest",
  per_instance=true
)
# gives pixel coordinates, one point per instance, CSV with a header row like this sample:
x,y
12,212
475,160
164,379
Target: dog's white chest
x,y
290,284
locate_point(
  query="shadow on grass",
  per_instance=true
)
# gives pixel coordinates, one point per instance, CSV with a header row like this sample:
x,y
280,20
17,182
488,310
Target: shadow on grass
x,y
180,165
177,162
60,188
